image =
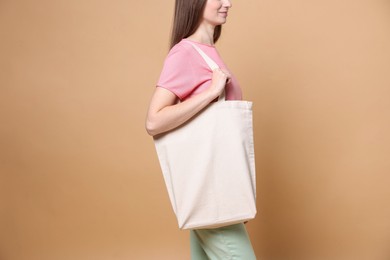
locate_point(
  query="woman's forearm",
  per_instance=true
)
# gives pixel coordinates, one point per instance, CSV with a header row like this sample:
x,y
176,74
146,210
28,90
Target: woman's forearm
x,y
165,115
172,116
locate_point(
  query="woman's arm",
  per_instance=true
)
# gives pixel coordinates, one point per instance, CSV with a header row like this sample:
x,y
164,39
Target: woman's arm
x,y
165,113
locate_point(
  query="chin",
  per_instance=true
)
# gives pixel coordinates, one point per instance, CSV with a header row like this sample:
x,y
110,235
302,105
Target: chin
x,y
217,22
220,22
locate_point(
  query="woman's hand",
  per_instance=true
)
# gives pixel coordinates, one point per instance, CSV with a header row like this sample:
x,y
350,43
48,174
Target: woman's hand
x,y
219,80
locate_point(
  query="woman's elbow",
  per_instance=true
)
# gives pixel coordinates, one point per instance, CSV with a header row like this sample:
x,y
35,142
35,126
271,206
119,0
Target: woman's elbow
x,y
152,127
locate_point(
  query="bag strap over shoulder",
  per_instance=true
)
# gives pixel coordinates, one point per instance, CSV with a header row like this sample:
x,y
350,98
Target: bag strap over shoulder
x,y
211,64
207,59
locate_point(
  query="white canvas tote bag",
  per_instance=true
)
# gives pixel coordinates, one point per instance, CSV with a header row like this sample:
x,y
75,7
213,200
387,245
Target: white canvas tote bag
x,y
208,164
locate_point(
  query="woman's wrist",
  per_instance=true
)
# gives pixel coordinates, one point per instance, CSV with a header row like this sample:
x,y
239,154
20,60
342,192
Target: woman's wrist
x,y
212,93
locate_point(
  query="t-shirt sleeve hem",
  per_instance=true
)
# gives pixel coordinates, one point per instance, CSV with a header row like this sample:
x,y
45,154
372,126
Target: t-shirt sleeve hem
x,y
170,90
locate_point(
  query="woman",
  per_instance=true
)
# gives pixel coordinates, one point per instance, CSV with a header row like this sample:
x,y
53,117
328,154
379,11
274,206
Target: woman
x,y
187,78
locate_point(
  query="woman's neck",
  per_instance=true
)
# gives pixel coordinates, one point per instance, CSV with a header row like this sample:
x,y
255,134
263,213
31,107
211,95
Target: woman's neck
x,y
204,34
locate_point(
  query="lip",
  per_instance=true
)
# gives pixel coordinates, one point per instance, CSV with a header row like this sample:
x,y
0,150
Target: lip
x,y
224,14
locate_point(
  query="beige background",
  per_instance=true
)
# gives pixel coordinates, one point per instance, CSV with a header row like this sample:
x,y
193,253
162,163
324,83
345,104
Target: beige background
x,y
79,175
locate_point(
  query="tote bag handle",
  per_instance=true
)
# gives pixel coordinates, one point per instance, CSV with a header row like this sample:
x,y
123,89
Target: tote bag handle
x,y
212,66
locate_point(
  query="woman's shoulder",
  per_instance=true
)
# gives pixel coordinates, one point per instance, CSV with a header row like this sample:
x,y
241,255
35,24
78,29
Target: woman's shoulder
x,y
181,54
184,54
181,48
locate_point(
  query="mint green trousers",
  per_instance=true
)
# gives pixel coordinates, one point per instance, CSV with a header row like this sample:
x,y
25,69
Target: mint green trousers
x,y
230,242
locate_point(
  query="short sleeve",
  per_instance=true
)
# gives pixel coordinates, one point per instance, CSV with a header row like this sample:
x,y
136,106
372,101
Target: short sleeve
x,y
177,74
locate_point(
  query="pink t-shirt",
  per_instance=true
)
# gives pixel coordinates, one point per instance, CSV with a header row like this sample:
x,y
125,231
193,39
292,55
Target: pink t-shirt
x,y
185,72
